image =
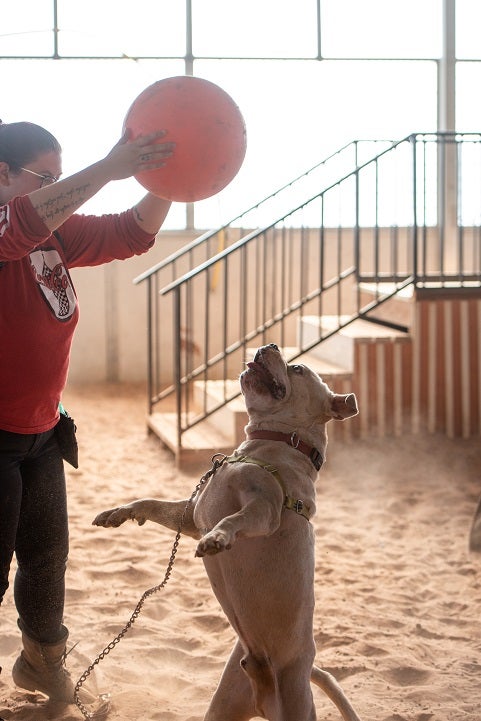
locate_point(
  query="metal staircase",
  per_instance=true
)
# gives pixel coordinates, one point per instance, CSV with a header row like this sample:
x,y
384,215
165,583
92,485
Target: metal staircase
x,y
338,249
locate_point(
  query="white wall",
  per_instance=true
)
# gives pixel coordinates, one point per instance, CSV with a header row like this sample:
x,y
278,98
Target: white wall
x,y
111,339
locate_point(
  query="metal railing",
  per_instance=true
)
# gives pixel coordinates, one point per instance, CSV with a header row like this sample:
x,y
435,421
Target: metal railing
x,y
410,214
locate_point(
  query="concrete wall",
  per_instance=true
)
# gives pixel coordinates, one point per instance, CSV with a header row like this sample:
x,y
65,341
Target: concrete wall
x,y
111,339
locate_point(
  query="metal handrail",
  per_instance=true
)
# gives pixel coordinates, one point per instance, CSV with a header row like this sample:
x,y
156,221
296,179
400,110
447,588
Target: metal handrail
x,y
386,223
201,267
209,234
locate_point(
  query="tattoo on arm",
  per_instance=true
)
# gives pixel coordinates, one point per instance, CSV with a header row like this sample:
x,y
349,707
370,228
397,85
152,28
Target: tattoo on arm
x,y
64,205
137,213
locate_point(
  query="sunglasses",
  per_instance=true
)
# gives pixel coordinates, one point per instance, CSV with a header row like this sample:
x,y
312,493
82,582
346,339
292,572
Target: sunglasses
x,y
46,179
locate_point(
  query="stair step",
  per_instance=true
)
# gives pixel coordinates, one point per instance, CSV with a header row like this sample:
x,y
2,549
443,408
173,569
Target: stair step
x,y
338,349
358,328
222,431
380,289
230,418
198,443
399,308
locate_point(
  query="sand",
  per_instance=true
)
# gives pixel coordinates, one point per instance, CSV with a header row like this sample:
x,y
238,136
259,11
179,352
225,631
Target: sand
x,y
398,615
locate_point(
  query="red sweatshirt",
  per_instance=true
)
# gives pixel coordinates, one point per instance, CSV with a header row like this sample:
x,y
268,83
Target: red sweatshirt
x,y
38,304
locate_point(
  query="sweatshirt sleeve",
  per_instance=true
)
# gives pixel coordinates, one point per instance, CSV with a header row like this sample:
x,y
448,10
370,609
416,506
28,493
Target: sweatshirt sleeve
x,y
21,229
90,240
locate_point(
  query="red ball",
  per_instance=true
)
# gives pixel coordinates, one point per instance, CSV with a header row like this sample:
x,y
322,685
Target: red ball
x,y
207,127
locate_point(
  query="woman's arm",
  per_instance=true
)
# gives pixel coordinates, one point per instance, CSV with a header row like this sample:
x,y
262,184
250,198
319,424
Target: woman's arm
x,y
150,212
57,202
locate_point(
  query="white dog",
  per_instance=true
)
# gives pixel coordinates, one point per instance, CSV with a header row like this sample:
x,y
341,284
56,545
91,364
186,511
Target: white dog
x,y
252,524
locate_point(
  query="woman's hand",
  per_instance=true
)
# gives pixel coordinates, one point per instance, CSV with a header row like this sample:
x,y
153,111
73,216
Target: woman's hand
x,y
129,157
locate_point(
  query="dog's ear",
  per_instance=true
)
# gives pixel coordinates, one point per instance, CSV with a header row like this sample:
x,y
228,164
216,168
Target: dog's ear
x,y
343,406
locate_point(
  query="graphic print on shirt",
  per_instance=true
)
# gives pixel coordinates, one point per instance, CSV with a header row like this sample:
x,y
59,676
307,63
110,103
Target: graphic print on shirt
x,y
4,219
54,282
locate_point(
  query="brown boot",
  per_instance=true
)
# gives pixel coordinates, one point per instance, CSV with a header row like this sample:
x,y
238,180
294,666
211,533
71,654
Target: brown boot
x,y
41,667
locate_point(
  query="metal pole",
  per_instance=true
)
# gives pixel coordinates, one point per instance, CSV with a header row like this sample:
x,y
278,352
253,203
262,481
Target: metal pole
x,y
415,213
447,211
177,364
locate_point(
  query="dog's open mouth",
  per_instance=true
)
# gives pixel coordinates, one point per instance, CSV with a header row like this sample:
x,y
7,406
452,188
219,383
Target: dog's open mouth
x,y
277,389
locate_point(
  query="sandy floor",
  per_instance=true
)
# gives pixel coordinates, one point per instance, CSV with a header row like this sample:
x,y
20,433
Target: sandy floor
x,y
398,593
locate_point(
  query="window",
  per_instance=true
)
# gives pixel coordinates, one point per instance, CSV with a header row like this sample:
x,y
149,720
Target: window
x,y
378,76
468,18
116,29
26,29
266,29
381,28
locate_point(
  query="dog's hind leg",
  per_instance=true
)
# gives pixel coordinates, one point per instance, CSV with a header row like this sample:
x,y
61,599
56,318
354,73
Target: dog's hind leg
x,y
290,698
233,699
332,689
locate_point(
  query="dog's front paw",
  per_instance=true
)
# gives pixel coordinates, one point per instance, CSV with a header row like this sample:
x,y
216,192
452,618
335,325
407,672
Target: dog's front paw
x,y
213,542
114,517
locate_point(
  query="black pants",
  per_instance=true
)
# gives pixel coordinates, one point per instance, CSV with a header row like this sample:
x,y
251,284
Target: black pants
x,y
34,525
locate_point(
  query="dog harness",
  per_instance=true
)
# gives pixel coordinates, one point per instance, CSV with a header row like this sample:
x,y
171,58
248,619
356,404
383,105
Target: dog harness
x,y
292,504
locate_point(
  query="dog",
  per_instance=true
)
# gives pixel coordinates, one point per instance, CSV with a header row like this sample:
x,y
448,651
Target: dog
x,y
252,523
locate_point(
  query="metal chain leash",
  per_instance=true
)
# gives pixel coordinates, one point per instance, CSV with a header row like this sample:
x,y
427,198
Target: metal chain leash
x,y
217,461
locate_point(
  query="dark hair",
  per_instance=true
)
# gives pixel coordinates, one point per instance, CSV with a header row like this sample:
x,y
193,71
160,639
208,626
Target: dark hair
x,y
21,143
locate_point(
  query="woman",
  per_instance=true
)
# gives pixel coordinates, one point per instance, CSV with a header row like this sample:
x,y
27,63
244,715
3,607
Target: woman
x,y
41,237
